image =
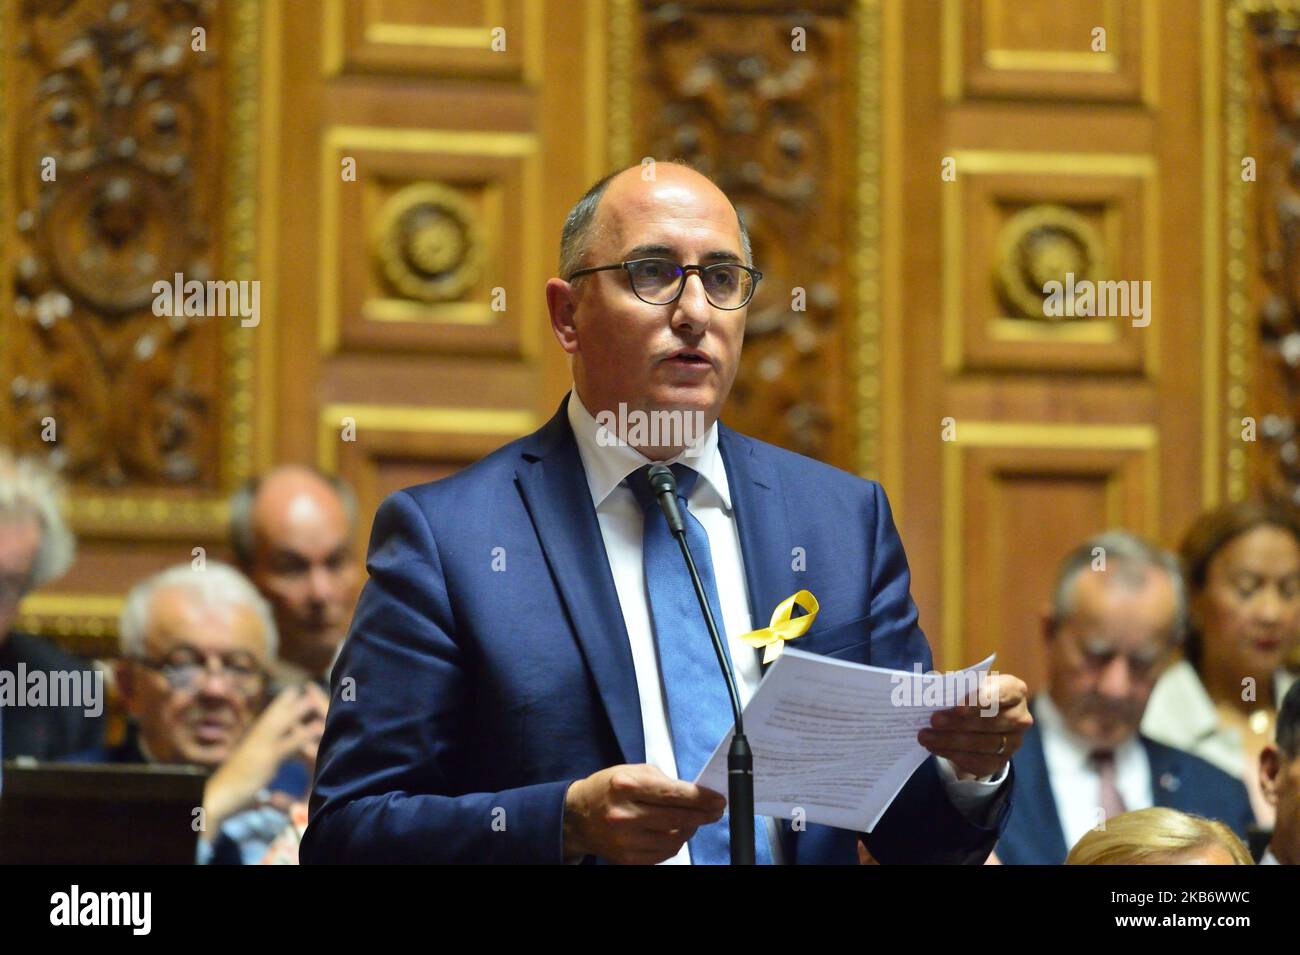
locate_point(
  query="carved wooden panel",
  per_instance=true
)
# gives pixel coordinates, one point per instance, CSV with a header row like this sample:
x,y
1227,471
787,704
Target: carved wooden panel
x,y
1018,497
756,96
117,183
1266,426
129,159
1084,50
381,449
472,38
1015,222
1081,170
433,246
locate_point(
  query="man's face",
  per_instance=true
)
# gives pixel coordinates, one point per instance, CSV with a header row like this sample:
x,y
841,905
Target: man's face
x,y
20,540
303,564
1103,660
626,351
200,723
1249,610
1279,777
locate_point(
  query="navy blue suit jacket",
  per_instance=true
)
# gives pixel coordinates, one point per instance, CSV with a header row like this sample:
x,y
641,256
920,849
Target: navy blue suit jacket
x,y
482,694
1179,780
44,732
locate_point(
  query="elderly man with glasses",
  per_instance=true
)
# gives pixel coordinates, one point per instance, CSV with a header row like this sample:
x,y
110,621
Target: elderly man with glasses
x,y
531,677
197,644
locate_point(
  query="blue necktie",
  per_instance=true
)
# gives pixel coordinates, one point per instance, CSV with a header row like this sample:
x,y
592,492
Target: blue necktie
x,y
699,707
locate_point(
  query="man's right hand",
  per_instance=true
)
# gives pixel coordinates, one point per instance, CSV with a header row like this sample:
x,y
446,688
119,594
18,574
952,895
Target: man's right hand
x,y
635,814
290,726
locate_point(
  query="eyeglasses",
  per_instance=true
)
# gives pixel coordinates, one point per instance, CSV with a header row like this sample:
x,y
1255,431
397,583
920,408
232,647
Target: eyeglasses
x,y
727,285
185,667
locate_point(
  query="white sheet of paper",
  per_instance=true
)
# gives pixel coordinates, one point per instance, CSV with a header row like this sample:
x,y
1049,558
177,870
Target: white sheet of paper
x,y
836,739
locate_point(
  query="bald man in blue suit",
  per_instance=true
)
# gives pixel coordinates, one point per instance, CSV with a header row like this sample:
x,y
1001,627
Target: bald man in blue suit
x,y
513,688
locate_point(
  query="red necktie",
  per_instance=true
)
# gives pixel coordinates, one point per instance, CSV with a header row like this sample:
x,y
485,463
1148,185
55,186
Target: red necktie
x,y
1103,761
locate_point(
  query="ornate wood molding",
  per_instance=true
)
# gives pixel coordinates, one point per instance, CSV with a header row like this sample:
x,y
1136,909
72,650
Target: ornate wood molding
x,y
718,85
1273,392
143,180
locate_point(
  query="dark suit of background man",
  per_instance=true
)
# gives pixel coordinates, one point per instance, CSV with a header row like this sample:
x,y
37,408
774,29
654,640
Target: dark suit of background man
x,y
36,547
531,679
1113,629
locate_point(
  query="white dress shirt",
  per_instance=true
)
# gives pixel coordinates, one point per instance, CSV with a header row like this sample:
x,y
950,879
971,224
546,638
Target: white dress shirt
x,y
1076,784
621,528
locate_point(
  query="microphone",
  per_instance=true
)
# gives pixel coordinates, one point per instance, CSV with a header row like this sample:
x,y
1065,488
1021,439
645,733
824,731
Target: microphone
x,y
740,759
664,484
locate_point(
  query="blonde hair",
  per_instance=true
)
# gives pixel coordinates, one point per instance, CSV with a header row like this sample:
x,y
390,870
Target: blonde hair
x,y
1155,836
30,489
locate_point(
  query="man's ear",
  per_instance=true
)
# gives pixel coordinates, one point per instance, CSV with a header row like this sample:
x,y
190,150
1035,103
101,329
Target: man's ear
x,y
1270,769
561,302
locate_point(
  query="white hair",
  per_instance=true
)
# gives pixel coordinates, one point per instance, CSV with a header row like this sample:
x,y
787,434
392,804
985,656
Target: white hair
x,y
30,489
216,585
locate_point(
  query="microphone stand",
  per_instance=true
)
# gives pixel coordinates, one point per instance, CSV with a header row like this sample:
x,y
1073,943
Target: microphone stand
x,y
740,759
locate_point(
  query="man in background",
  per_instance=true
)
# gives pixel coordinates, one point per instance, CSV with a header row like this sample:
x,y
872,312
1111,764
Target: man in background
x,y
197,646
1119,613
291,530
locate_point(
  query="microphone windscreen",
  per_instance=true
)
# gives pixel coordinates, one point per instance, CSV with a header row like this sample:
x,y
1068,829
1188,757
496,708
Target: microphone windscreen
x,y
662,479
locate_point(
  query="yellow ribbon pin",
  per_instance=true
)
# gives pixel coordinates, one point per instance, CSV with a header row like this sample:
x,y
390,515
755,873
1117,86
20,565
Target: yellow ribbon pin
x,y
783,626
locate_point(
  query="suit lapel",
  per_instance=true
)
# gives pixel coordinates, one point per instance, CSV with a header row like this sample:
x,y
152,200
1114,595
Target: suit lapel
x,y
554,488
1035,804
765,548
1166,778
765,542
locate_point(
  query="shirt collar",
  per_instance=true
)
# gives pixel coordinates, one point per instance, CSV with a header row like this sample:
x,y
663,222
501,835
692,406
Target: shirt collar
x,y
608,464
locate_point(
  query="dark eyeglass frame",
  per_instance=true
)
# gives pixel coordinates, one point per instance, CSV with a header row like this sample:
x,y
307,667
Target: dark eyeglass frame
x,y
168,667
686,270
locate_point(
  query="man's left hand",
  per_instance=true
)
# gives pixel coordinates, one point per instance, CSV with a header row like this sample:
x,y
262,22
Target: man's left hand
x,y
979,740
